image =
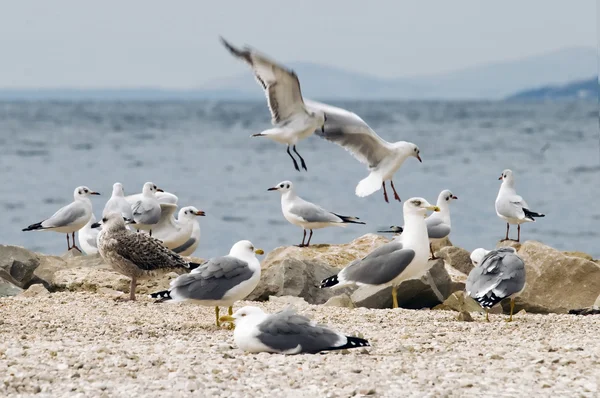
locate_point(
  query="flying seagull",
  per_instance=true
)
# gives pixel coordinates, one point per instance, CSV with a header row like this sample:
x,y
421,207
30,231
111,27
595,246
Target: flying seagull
x,y
291,119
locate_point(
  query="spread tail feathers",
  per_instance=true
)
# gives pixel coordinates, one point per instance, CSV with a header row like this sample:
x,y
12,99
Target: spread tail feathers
x,y
350,220
530,214
368,185
33,227
328,282
164,295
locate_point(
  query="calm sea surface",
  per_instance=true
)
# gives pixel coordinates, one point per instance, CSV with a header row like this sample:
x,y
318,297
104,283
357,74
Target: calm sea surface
x,y
201,151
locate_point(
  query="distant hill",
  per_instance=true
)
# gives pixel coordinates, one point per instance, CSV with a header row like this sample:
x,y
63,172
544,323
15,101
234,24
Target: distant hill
x,y
491,81
583,89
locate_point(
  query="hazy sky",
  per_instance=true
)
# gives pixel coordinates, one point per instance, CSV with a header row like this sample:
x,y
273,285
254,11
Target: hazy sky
x,y
175,43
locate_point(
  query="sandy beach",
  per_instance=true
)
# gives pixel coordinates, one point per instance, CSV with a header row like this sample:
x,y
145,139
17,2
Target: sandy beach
x,y
89,344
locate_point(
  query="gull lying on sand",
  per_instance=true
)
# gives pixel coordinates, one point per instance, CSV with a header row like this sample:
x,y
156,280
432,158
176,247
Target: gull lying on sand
x,y
71,218
285,332
308,215
221,281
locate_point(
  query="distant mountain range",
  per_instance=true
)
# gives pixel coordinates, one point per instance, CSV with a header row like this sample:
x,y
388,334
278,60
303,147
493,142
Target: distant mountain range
x,y
491,81
582,89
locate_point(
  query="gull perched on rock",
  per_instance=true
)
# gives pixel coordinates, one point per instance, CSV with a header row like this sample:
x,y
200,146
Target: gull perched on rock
x,y
291,119
70,218
438,224
221,281
382,158
285,332
306,214
395,261
88,237
135,255
146,211
498,274
117,203
175,232
511,207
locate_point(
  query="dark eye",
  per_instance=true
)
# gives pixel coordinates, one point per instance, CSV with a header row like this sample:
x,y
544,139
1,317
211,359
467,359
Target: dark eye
x,y
287,186
417,203
85,190
415,149
281,186
104,219
154,186
243,314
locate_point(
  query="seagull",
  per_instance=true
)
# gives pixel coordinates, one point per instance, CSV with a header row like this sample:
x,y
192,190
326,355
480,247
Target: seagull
x,y
161,196
135,255
396,261
383,158
498,274
117,202
70,218
438,224
308,215
175,232
88,237
285,332
511,207
291,119
192,243
220,281
146,211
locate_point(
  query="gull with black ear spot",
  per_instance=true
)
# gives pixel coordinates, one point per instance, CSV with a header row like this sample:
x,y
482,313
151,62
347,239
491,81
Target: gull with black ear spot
x,y
306,214
146,211
438,223
71,218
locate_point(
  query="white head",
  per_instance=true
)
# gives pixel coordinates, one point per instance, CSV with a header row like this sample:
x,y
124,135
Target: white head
x,y
507,176
418,206
113,222
321,118
283,187
244,249
150,189
477,255
188,213
409,149
248,313
445,197
118,189
83,192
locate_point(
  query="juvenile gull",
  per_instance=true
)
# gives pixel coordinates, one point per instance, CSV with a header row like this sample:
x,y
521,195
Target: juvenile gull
x,y
192,243
70,218
382,158
498,274
438,224
291,119
306,214
146,211
511,207
221,281
175,232
396,261
135,255
88,237
117,203
285,332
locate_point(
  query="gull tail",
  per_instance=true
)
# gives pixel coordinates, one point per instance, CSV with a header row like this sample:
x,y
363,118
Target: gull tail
x,y
368,185
531,214
328,282
353,342
33,227
392,230
194,265
164,295
349,220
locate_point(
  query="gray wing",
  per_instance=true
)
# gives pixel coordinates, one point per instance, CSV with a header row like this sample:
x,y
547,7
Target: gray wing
x,y
66,216
287,330
310,212
281,85
349,131
500,274
146,212
380,266
436,228
213,279
185,246
147,253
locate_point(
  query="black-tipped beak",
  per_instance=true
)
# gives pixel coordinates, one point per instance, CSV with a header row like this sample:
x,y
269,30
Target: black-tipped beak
x,y
272,189
159,190
94,193
500,177
454,197
419,157
200,213
95,225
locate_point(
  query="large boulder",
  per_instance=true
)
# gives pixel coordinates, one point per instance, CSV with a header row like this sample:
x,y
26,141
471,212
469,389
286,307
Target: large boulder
x,y
8,289
457,258
555,281
19,263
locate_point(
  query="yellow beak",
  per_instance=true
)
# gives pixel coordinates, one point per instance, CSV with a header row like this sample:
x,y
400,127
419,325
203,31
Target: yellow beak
x,y
434,208
226,318
260,252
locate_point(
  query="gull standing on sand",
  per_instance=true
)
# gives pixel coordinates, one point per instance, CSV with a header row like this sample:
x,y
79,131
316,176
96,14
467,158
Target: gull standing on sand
x,y
70,218
135,255
117,203
175,232
396,261
291,119
221,281
438,224
192,243
146,211
382,158
88,237
511,207
498,274
285,332
308,215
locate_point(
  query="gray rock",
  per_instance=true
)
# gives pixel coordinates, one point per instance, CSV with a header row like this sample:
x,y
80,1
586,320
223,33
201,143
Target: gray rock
x,y
35,290
7,289
342,300
49,266
19,263
464,316
457,258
